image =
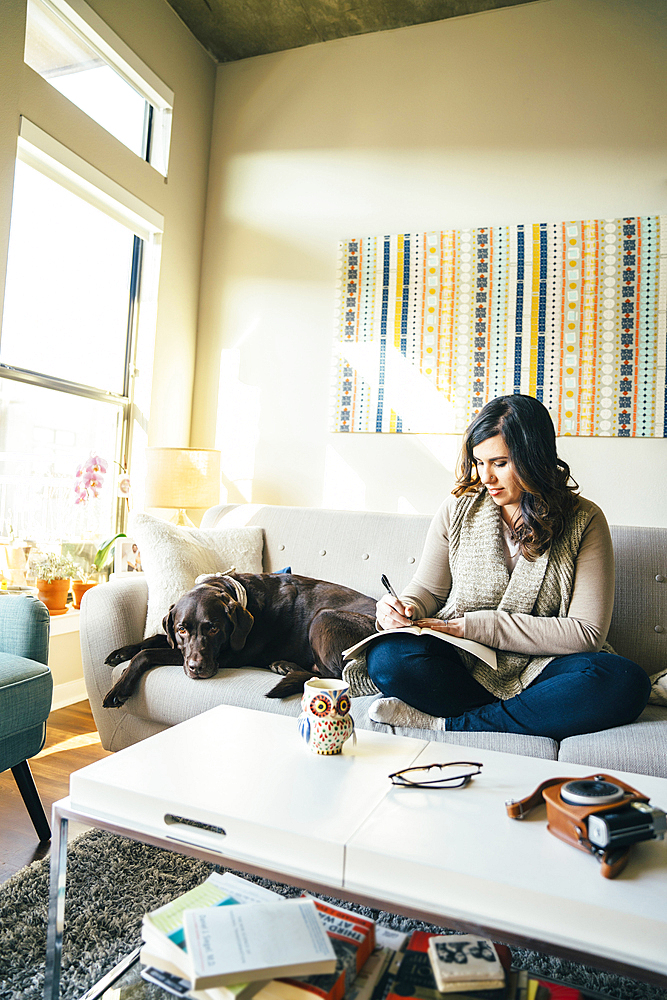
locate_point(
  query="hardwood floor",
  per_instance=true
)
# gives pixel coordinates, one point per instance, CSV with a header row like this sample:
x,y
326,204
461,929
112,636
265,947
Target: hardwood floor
x,y
71,742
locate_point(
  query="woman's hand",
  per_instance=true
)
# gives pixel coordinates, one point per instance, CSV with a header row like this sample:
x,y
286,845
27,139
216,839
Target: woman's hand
x,y
392,613
452,627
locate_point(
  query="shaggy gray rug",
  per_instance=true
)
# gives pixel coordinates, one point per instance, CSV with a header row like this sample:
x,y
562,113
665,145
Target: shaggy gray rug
x,y
111,882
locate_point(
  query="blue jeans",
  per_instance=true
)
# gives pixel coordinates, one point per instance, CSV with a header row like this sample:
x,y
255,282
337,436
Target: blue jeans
x,y
579,693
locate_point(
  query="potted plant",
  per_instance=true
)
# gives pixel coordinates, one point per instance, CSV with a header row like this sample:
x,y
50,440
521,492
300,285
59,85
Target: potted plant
x,y
52,575
89,578
82,584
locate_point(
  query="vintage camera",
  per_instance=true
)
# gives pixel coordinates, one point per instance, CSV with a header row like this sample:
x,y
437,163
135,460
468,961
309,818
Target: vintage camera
x,y
598,814
619,827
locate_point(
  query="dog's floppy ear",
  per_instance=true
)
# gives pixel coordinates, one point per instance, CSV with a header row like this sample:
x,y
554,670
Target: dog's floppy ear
x,y
242,621
168,626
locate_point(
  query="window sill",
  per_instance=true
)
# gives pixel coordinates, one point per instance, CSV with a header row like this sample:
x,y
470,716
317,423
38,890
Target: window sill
x,y
62,624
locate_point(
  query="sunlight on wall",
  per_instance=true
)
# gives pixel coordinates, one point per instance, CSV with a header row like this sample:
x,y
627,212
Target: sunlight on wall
x,y
408,393
344,489
444,447
237,427
403,506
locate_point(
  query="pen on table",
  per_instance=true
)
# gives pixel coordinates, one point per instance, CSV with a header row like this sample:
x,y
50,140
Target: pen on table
x,y
388,586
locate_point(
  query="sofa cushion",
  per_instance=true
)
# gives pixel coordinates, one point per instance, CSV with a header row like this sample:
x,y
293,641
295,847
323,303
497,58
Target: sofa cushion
x,y
173,557
350,547
638,747
640,598
528,746
25,701
21,746
26,687
166,696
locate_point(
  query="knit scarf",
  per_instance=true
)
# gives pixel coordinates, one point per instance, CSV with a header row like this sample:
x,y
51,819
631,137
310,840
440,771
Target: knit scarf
x,y
481,581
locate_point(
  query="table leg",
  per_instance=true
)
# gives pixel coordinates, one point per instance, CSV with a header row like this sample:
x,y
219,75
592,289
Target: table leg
x,y
56,918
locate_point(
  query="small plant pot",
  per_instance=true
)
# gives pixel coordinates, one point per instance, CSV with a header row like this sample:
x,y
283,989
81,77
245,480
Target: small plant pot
x,y
79,588
54,595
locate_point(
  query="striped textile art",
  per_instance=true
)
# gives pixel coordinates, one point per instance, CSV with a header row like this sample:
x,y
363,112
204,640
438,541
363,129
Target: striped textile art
x,y
430,326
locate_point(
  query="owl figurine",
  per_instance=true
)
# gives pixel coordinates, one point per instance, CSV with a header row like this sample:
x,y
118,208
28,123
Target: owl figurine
x,y
325,722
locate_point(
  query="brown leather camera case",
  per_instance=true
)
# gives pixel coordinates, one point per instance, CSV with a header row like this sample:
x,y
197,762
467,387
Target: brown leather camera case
x,y
568,822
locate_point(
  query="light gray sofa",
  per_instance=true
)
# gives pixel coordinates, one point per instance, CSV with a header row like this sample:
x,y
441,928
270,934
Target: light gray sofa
x,y
356,548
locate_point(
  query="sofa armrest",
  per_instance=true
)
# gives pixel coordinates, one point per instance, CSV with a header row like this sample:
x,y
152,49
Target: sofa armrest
x,y
24,627
112,615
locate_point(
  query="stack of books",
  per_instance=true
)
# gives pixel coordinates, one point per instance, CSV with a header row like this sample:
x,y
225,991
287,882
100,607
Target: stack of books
x,y
207,946
231,939
460,967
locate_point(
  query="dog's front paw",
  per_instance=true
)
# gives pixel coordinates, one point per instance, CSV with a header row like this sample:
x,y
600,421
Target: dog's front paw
x,y
292,683
282,667
119,656
123,688
115,698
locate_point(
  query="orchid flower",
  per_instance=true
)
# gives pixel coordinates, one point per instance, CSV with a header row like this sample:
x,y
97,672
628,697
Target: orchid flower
x,y
89,478
98,464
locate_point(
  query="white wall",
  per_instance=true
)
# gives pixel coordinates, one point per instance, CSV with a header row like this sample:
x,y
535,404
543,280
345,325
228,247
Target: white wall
x,y
550,111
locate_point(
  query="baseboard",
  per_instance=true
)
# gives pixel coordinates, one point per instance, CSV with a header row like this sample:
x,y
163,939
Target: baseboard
x,y
69,694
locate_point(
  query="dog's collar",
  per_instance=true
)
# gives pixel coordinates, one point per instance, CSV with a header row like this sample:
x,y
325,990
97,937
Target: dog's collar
x,y
238,588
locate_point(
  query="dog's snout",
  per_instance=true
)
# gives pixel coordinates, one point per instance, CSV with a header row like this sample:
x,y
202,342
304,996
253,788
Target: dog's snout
x,y
197,665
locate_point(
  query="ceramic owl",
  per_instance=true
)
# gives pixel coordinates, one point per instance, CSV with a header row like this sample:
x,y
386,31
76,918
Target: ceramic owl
x,y
325,722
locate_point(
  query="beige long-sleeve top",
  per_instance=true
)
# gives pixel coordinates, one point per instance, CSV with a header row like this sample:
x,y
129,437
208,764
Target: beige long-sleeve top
x,y
583,630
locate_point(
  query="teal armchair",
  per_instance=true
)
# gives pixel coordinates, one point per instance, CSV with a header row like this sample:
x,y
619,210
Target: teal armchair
x,y
26,687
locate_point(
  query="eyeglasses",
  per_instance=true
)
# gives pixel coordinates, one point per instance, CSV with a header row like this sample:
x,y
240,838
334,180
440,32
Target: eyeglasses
x,y
456,774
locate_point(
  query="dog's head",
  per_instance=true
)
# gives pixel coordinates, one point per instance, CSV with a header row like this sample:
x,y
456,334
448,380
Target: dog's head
x,y
206,624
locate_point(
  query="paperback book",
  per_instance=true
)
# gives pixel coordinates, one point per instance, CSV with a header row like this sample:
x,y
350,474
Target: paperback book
x,y
387,943
163,935
465,961
410,976
231,944
353,940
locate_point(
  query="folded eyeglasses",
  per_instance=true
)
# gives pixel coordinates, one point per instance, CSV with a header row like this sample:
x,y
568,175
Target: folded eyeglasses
x,y
456,774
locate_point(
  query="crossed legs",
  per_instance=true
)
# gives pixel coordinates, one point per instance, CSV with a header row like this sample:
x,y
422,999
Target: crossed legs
x,y
574,694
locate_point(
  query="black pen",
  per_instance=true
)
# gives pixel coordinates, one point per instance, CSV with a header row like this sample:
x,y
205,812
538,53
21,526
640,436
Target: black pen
x,y
388,586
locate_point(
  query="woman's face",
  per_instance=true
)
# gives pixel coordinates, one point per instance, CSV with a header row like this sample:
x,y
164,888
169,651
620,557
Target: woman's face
x,y
491,458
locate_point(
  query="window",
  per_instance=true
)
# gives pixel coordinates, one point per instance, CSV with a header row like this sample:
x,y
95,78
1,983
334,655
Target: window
x,y
71,48
81,251
69,278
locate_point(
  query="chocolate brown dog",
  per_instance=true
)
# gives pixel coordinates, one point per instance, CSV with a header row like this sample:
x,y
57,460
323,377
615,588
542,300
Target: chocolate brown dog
x,y
294,625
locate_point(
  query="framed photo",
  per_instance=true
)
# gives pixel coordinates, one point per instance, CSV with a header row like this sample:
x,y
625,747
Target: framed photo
x,y
127,557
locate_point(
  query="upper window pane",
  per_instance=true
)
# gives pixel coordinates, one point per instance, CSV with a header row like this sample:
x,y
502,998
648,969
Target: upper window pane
x,y
68,286
59,53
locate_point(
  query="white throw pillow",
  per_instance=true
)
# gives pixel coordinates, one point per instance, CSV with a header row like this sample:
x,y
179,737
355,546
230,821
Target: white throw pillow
x,y
659,688
172,557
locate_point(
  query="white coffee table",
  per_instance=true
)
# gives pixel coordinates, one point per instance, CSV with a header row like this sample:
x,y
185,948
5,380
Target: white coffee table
x,y
239,787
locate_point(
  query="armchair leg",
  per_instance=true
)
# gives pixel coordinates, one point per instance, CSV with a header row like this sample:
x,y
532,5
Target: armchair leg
x,y
30,795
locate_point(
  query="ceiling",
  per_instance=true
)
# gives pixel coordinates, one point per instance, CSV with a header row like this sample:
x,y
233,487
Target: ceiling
x,y
236,29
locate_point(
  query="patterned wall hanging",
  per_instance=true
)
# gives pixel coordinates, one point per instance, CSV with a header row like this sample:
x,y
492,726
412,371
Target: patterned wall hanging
x,y
433,325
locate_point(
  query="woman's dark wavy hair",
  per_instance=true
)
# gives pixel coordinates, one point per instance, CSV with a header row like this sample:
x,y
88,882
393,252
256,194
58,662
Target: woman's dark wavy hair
x,y
549,492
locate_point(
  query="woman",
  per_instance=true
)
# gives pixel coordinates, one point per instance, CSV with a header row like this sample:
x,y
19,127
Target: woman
x,y
516,560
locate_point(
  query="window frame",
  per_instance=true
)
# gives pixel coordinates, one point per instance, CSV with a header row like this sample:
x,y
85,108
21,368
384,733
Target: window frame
x,y
120,57
44,153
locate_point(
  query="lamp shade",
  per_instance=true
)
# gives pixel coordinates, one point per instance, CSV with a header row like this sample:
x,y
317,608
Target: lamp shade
x,y
182,477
